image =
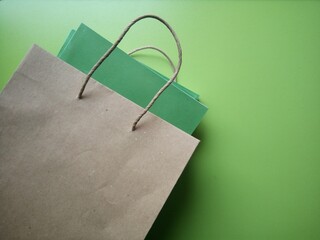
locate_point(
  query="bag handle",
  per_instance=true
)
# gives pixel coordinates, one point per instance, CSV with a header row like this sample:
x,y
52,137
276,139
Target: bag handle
x,y
107,54
156,49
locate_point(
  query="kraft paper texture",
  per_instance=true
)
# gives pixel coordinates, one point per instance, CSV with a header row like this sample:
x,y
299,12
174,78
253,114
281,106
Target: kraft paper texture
x,y
72,169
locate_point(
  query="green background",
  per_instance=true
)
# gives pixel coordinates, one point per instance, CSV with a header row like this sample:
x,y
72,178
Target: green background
x,y
255,64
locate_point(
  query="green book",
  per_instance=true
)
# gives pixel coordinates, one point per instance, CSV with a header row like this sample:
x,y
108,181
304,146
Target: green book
x,y
132,79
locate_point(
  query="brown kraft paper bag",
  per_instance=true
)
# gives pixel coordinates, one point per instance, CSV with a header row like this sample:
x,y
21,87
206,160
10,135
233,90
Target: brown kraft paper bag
x,y
73,169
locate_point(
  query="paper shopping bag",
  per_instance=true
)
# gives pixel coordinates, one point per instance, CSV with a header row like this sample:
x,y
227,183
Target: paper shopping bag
x,y
66,46
73,169
132,79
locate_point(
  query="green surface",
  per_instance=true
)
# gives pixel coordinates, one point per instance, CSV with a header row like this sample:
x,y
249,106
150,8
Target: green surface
x,y
255,64
132,79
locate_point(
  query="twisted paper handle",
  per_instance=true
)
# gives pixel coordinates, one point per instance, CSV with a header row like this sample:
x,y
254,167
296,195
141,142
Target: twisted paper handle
x,y
107,54
156,49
